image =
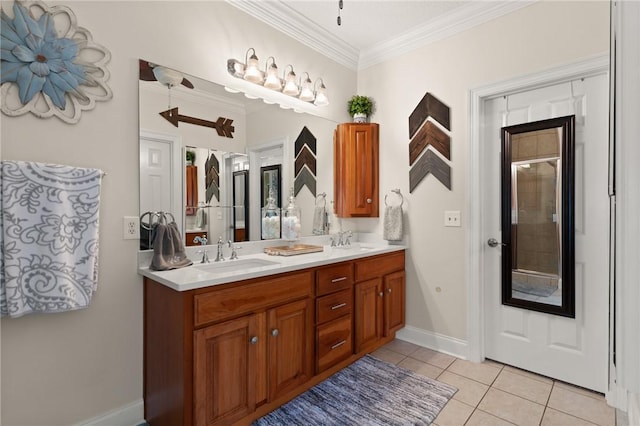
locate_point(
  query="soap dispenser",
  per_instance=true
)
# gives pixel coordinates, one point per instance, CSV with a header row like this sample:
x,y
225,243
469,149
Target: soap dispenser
x,y
291,220
270,218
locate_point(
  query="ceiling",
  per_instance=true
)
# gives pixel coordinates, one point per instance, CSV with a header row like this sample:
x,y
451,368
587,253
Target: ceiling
x,y
373,31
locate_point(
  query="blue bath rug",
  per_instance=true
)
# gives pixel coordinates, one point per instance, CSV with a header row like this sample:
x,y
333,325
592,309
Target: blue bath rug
x,y
368,392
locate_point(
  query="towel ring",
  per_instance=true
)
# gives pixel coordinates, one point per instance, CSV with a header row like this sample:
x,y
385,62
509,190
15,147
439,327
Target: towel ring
x,y
324,199
398,193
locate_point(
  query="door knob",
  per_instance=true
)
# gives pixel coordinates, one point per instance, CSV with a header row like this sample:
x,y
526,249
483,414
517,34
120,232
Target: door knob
x,y
494,243
275,332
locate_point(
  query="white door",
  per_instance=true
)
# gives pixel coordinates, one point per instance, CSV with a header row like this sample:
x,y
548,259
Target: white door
x,y
569,349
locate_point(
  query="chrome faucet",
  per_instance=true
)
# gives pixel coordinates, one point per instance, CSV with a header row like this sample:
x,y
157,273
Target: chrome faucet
x,y
203,242
234,248
220,255
342,239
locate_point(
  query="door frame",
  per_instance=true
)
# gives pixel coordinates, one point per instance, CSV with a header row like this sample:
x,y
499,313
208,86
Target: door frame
x,y
475,254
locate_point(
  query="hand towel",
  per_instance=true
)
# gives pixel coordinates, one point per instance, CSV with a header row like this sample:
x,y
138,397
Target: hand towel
x,y
319,215
201,218
168,249
48,236
392,225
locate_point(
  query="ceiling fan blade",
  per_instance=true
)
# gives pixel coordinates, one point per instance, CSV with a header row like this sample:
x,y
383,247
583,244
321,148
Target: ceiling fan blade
x,y
146,72
186,83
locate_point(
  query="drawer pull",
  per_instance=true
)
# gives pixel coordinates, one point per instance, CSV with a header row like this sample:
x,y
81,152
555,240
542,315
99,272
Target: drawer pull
x,y
275,332
337,345
389,290
341,305
337,280
381,294
254,340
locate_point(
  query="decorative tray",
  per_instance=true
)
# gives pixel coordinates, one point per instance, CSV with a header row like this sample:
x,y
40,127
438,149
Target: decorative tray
x,y
292,250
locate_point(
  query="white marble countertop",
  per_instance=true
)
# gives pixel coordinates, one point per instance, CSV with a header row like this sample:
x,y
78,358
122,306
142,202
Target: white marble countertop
x,y
253,263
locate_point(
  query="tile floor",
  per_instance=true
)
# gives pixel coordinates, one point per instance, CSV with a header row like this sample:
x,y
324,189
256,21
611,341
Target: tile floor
x,y
491,394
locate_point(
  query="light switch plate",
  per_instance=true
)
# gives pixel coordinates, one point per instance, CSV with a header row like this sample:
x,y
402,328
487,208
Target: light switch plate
x,y
452,218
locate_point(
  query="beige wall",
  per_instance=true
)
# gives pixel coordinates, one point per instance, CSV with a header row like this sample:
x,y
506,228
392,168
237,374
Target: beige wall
x,y
535,38
65,368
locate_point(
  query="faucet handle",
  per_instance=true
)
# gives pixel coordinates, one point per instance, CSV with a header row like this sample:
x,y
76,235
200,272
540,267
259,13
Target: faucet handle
x,y
205,255
200,239
234,253
348,235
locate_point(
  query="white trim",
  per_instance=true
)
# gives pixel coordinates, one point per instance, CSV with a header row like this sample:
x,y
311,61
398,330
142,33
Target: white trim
x,y
283,18
475,285
437,342
131,414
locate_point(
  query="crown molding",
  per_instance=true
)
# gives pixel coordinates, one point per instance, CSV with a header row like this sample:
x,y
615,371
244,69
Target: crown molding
x,y
283,18
447,25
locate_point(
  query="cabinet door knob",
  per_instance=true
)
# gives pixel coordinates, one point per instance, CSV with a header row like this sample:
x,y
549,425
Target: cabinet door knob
x,y
274,332
381,294
388,290
254,340
369,201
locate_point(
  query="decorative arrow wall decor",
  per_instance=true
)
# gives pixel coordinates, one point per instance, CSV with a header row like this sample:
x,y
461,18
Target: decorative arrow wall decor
x,y
426,133
305,165
223,125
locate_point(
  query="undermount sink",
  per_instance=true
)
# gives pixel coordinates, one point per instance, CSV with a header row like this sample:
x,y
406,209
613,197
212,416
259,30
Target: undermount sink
x,y
234,265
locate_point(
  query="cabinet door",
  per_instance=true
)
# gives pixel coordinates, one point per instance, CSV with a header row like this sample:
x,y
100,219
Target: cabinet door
x,y
394,302
291,356
191,184
368,313
225,369
356,170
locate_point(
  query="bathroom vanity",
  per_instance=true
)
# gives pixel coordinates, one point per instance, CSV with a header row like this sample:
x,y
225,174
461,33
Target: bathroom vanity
x,y
227,345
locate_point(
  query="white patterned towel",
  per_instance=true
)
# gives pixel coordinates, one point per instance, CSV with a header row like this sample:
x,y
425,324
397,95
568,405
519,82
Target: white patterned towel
x,y
48,237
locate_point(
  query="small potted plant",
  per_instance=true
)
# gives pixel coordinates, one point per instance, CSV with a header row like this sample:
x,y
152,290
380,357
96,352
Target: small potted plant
x,y
360,108
190,157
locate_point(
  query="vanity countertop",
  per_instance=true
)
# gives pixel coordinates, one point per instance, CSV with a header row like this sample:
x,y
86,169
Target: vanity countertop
x,y
258,265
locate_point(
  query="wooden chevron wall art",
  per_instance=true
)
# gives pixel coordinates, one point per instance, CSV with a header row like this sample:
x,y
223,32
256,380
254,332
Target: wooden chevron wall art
x,y
305,163
212,178
428,133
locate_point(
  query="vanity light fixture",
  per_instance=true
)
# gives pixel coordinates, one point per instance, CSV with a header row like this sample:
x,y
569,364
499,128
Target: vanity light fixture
x,y
306,90
321,98
288,84
251,72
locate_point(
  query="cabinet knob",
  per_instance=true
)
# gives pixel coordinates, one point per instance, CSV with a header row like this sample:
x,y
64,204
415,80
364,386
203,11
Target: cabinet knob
x,y
275,332
369,201
381,294
254,340
388,290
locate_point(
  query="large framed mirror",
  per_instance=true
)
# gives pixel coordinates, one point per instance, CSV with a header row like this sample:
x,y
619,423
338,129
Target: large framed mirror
x,y
538,195
201,199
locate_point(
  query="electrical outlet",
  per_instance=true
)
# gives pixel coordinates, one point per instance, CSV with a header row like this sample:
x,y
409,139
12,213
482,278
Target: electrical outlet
x,y
131,228
452,218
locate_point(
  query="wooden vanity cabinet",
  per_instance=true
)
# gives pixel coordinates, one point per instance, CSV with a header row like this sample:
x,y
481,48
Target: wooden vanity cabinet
x,y
356,170
379,300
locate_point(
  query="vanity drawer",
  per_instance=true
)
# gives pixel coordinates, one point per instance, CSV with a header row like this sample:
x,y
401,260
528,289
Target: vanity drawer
x,y
378,266
250,296
334,305
334,342
334,278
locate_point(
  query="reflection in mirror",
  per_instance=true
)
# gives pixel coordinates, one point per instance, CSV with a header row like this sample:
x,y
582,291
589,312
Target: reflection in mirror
x,y
537,216
263,135
241,205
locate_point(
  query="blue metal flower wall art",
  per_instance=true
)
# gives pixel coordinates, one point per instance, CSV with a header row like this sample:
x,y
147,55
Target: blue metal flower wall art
x,y
50,66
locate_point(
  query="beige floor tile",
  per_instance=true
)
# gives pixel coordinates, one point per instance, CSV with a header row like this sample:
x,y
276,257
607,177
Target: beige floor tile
x,y
581,391
402,347
469,391
455,413
511,408
482,372
433,357
387,355
582,406
558,418
480,418
421,367
523,386
528,374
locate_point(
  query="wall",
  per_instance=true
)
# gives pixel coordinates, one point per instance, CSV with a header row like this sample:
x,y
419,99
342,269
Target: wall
x,y
65,368
532,39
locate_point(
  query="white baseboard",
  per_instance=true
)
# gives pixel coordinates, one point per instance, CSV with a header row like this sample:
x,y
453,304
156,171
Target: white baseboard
x,y
437,342
128,415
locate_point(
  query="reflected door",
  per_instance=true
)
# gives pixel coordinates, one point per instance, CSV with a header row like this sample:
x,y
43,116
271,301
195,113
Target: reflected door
x,y
570,349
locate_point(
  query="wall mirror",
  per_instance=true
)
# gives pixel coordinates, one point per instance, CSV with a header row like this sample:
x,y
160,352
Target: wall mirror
x,y
262,139
538,239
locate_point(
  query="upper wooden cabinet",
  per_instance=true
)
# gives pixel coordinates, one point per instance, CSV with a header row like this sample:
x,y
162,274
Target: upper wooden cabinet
x,y
191,180
356,156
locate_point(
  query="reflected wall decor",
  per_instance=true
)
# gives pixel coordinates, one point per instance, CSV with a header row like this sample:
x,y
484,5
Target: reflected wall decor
x,y
428,126
212,178
50,66
305,163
